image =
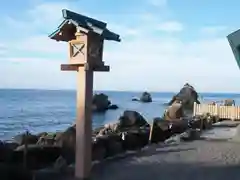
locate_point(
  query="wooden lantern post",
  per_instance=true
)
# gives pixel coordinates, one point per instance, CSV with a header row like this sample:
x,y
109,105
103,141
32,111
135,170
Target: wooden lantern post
x,y
85,37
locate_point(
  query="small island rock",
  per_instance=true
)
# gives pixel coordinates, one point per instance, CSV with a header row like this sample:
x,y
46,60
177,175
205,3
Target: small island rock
x,y
101,103
146,97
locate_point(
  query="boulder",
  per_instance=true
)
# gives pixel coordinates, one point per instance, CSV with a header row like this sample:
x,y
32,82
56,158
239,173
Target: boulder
x,y
99,151
146,97
42,134
60,164
130,132
187,95
109,129
179,126
132,119
112,144
37,156
104,144
96,131
30,138
174,112
100,102
67,140
160,130
132,140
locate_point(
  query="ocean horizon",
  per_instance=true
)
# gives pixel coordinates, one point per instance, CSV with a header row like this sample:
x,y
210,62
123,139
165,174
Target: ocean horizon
x,y
42,110
131,91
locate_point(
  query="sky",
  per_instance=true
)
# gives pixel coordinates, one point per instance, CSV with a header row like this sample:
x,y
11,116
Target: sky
x,y
165,43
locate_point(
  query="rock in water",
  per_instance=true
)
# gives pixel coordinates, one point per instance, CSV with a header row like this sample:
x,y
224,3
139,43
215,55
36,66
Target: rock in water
x,y
187,95
100,102
113,106
146,97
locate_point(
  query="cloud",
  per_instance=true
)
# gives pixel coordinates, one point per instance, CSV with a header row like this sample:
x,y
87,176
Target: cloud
x,y
170,26
158,3
41,44
213,30
34,73
3,49
166,64
144,60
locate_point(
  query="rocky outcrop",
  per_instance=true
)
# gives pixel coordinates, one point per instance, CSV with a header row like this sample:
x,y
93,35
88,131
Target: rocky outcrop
x,y
174,112
187,96
101,103
145,98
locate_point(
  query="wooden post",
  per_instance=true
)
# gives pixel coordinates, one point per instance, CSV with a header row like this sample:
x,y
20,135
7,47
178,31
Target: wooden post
x,y
85,37
84,123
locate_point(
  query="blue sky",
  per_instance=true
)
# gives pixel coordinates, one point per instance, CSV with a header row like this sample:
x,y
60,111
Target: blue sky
x,y
165,43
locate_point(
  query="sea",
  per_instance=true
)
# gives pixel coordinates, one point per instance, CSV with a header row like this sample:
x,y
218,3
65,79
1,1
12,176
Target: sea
x,y
54,110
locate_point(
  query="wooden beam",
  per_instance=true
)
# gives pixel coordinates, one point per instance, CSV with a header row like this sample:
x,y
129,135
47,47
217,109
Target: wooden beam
x,y
74,67
70,67
98,68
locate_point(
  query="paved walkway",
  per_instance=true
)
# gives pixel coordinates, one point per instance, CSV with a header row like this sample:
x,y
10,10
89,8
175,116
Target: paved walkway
x,y
196,160
204,160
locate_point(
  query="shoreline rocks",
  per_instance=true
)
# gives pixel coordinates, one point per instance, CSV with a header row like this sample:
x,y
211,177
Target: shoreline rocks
x,y
130,133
